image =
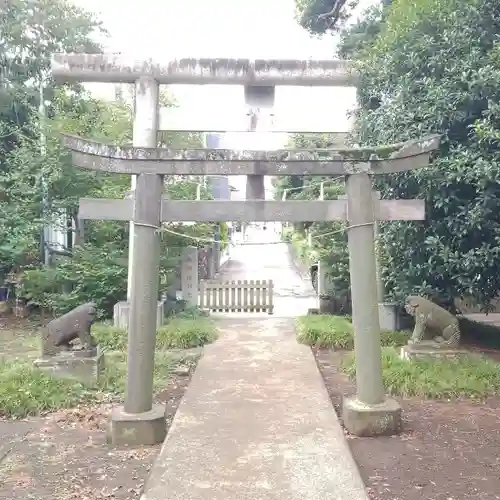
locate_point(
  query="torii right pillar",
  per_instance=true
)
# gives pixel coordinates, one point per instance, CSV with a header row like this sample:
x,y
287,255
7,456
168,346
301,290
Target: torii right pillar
x,y
370,412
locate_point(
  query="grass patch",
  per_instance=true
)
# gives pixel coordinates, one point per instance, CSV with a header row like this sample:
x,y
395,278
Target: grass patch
x,y
26,390
113,380
394,339
110,338
471,376
180,332
185,333
327,331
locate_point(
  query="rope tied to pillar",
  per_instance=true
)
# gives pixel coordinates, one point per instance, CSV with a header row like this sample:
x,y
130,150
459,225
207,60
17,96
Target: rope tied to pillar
x,y
157,229
359,225
162,229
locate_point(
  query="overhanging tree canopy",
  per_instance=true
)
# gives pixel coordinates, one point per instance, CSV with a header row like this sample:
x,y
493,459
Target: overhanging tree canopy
x,y
434,66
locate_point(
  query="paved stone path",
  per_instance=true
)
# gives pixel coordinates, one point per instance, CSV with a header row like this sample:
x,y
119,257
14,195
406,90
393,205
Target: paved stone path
x,y
256,422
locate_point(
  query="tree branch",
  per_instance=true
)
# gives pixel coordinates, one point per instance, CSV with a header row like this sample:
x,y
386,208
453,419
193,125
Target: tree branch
x,y
334,13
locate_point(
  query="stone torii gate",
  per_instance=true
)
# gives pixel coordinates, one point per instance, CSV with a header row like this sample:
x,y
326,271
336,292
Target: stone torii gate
x,y
139,421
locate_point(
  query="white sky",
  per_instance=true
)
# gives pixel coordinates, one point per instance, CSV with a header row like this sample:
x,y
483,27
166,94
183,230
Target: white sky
x,y
165,29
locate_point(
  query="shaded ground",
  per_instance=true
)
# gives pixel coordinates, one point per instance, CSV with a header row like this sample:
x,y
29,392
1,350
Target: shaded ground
x,y
19,337
448,450
64,455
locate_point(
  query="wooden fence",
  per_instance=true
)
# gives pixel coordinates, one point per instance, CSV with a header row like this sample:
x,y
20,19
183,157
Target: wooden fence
x,y
237,296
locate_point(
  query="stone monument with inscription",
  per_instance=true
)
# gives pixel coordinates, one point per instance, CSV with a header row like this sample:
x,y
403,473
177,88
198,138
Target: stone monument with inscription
x,y
189,276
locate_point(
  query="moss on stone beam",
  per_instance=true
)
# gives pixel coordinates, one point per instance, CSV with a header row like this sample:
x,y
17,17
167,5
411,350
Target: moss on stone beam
x,y
117,68
163,161
424,145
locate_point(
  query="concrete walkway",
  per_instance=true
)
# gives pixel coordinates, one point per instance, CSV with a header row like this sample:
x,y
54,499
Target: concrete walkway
x,y
256,422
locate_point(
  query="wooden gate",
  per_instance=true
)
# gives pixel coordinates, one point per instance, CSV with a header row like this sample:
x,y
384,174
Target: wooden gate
x,y
237,296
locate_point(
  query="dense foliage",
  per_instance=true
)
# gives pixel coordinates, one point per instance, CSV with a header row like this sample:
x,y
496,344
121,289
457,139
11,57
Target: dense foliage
x,y
38,184
434,66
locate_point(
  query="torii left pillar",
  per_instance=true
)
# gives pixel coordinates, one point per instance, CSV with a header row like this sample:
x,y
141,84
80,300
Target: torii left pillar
x,y
139,421
145,131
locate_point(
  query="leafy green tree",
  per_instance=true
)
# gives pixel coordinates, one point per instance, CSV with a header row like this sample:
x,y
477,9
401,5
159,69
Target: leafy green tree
x,y
29,33
96,268
435,68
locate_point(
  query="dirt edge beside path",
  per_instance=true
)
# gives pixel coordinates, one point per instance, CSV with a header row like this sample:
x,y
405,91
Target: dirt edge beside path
x,y
447,451
65,456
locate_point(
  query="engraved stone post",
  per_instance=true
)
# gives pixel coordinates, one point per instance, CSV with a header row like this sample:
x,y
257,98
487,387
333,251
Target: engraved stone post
x,y
217,248
386,311
323,289
189,276
211,262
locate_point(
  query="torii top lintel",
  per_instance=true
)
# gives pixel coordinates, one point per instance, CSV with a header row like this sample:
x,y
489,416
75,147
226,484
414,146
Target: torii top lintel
x,y
118,68
163,161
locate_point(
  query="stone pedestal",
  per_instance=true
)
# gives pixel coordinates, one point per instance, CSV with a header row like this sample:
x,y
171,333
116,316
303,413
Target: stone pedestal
x,y
121,313
429,350
388,316
361,419
136,429
85,366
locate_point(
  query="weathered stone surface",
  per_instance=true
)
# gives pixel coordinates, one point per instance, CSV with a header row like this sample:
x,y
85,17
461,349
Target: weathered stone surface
x,y
227,162
366,420
432,322
430,350
388,316
86,366
136,429
249,210
120,68
391,151
189,276
60,332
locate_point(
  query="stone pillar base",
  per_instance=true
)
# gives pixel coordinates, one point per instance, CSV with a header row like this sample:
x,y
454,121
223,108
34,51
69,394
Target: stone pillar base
x,y
365,420
74,364
137,429
388,316
121,313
